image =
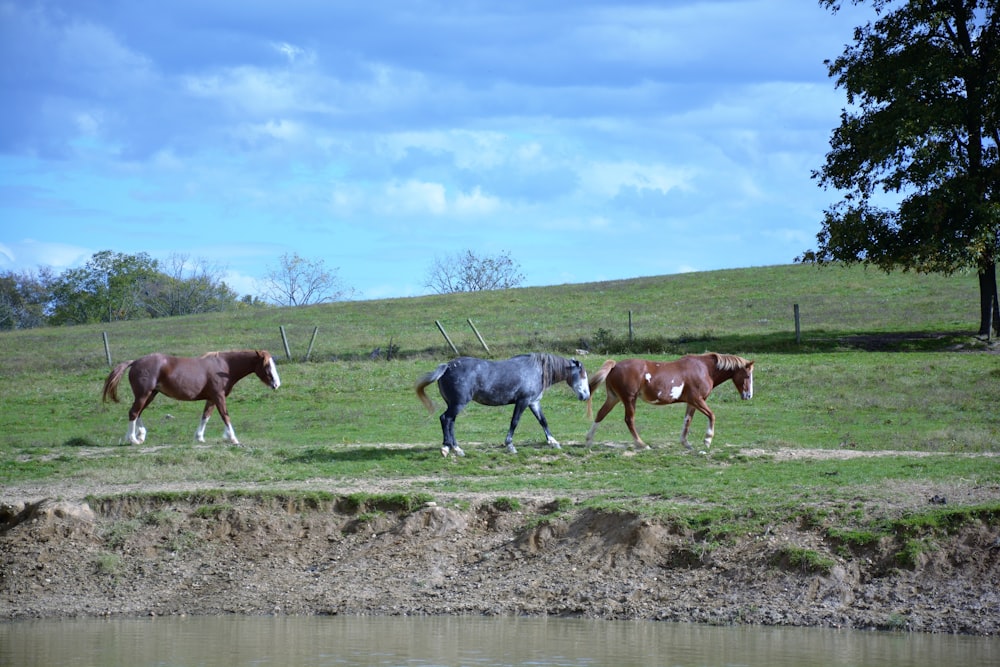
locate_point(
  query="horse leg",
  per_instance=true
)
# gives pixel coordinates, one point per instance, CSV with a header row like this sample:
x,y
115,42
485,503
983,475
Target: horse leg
x,y
609,403
136,433
132,435
448,430
630,422
514,419
689,413
702,407
229,433
536,409
199,435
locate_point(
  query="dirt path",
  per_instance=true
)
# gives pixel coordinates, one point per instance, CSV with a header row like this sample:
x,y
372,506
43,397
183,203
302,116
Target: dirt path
x,y
60,557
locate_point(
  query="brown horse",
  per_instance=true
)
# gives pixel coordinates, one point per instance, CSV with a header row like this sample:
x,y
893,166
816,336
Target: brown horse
x,y
209,377
689,379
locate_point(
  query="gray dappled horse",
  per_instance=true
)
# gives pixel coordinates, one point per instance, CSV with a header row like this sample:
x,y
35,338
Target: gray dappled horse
x,y
520,381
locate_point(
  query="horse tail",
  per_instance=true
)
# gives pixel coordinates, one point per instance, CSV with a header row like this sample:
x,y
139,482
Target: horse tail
x,y
425,380
595,381
111,382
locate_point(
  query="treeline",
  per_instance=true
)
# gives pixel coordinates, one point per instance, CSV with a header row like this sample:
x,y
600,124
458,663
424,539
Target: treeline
x,y
111,287
115,286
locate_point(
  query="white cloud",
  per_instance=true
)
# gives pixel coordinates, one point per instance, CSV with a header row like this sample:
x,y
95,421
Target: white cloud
x,y
242,284
282,129
609,178
475,203
30,253
292,53
413,198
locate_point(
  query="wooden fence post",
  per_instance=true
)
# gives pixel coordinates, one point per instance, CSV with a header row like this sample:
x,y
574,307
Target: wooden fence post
x,y
311,341
476,331
445,334
107,348
284,340
798,329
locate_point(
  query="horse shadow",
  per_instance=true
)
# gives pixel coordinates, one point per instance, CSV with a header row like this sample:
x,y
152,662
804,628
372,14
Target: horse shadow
x,y
375,453
321,455
812,341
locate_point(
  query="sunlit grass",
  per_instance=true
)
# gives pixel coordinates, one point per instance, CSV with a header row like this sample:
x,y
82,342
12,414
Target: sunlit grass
x,y
343,420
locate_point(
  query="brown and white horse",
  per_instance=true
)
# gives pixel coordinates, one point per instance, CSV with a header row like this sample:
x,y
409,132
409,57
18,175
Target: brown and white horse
x,y
209,377
689,380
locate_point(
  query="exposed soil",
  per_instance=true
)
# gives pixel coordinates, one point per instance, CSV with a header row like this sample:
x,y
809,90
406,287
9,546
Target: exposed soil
x,y
262,555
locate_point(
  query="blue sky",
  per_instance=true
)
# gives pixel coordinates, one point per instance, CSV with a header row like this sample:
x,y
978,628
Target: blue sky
x,y
589,140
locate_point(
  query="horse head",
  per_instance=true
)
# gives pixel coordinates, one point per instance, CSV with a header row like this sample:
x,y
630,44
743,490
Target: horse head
x,y
577,380
743,379
267,370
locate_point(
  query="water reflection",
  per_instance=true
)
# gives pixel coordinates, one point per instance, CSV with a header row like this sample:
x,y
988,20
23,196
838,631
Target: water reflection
x,y
475,641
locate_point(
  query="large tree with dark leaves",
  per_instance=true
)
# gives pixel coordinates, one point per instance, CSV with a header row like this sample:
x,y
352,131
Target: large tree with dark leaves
x,y
915,155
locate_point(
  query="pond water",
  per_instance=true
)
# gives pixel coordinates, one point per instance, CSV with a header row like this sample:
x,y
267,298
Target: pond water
x,y
301,641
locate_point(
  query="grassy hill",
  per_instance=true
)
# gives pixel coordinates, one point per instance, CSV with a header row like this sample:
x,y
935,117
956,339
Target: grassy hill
x,y
744,310
885,362
870,447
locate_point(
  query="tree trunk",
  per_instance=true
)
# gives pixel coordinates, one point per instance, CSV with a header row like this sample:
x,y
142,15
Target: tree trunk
x,y
989,308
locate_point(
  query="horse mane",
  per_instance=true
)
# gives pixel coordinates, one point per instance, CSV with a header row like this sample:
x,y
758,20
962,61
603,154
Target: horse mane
x,y
551,364
729,362
219,353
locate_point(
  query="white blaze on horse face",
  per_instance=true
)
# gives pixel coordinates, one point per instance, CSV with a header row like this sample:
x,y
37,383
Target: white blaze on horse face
x,y
274,373
582,387
748,394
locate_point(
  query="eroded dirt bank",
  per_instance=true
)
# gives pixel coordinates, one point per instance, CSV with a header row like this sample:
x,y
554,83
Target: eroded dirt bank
x,y
269,556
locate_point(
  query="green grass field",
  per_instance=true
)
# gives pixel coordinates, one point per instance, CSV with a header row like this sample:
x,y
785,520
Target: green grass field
x,y
884,362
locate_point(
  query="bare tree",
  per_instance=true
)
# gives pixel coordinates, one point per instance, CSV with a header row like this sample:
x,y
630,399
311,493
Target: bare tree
x,y
469,272
299,281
